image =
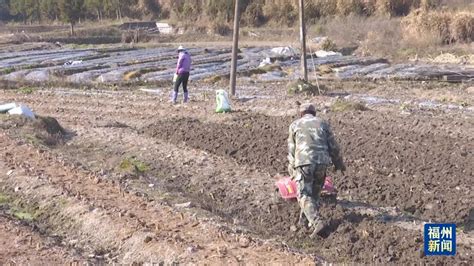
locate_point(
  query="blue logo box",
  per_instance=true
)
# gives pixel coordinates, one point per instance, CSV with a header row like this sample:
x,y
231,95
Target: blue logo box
x,y
440,239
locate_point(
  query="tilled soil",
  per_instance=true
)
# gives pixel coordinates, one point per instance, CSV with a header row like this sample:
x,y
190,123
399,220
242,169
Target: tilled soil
x,y
233,178
392,176
424,167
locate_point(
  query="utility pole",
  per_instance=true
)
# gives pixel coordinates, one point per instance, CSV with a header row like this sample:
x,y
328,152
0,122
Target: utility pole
x,y
304,65
235,48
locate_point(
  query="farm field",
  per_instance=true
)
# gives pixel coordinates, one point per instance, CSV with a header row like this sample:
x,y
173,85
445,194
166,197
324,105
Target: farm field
x,y
126,65
135,179
101,162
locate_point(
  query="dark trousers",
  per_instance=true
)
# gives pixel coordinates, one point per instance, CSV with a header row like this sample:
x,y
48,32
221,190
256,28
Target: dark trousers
x,y
310,182
182,79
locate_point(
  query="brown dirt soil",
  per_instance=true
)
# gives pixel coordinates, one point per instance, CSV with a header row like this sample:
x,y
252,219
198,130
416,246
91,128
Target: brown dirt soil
x,y
116,225
44,130
49,124
20,245
223,164
260,142
411,162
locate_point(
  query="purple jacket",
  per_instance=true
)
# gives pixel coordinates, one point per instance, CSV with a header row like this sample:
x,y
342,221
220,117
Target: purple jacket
x,y
184,63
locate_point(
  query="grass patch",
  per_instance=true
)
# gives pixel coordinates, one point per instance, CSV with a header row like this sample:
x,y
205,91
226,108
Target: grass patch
x,y
459,101
7,70
24,211
23,215
4,199
26,90
133,165
405,107
32,139
344,106
63,202
16,208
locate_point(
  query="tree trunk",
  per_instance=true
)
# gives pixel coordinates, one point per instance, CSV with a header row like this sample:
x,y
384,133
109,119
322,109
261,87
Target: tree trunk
x,y
235,48
72,29
304,65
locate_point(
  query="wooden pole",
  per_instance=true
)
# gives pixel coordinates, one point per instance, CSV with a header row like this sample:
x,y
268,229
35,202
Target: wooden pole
x,y
235,48
304,65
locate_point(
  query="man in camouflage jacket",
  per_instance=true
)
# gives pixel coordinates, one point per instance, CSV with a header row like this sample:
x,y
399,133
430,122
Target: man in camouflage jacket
x,y
311,149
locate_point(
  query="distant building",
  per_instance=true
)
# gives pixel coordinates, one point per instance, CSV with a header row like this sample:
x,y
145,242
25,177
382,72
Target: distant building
x,y
141,25
164,28
161,27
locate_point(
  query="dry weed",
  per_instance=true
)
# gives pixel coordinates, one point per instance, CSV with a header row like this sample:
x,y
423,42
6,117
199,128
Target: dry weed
x,y
347,7
281,12
220,27
429,4
253,15
320,8
275,10
338,31
448,26
395,7
348,106
304,87
462,27
328,45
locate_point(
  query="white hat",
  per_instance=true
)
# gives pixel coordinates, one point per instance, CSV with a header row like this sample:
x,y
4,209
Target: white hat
x,y
181,48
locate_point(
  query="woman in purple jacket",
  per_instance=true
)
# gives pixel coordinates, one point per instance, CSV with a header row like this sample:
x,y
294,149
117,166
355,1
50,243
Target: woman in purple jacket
x,y
182,71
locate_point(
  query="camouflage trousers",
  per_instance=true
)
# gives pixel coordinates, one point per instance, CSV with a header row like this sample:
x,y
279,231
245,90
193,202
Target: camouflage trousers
x,y
310,181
